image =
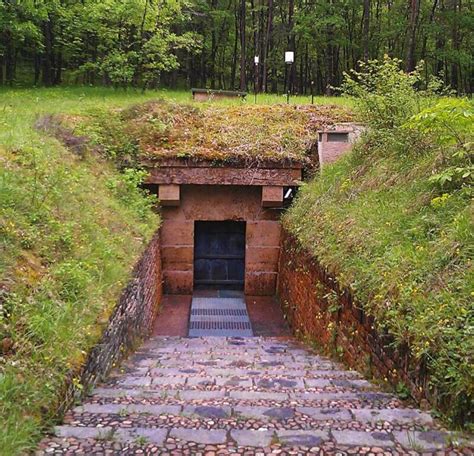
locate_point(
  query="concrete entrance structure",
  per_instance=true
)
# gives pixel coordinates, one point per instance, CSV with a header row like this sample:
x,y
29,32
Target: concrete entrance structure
x,y
336,140
227,164
191,192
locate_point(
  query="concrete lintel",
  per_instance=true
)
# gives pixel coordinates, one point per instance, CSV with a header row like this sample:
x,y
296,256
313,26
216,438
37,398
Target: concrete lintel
x,y
224,176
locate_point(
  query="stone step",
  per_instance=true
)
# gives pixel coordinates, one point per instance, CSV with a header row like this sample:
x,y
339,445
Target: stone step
x,y
242,396
226,344
224,363
233,354
222,343
222,396
198,370
231,348
305,413
255,342
250,439
253,353
250,382
242,343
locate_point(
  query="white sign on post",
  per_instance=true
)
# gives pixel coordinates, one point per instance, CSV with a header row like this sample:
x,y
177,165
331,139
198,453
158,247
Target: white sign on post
x,y
289,57
256,59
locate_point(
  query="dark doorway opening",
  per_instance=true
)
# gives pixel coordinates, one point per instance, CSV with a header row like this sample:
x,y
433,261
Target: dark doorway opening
x,y
219,255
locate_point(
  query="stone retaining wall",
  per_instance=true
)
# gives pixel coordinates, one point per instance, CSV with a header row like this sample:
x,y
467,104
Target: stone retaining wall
x,y
321,313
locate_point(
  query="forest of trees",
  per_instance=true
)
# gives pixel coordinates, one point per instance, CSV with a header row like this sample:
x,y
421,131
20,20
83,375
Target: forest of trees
x,y
212,43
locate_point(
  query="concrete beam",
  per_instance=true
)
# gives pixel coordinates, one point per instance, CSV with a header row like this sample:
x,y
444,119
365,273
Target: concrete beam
x,y
168,175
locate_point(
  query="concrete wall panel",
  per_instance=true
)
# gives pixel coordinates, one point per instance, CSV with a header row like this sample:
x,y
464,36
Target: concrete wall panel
x,y
263,233
218,203
178,282
177,255
177,232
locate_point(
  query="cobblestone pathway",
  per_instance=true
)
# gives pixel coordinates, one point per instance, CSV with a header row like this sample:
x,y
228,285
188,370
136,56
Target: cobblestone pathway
x,y
249,396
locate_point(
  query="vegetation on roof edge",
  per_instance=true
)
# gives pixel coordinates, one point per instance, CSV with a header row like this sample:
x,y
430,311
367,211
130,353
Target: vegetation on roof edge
x,y
152,132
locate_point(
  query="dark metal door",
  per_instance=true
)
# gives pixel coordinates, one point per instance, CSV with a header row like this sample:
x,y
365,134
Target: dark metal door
x,y
219,254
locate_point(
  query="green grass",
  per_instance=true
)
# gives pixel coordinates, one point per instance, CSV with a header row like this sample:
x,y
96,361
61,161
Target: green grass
x,y
71,229
77,99
405,251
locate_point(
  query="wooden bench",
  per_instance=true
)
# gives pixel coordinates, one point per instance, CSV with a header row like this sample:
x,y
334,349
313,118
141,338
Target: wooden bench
x,y
210,94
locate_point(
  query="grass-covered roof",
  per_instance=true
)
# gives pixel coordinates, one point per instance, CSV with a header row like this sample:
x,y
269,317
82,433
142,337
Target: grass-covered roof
x,y
162,130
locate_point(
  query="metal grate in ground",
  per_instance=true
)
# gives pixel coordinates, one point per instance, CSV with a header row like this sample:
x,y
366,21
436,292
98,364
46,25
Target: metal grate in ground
x,y
215,312
221,317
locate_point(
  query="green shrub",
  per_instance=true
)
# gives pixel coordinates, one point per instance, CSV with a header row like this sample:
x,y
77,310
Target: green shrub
x,y
450,125
384,95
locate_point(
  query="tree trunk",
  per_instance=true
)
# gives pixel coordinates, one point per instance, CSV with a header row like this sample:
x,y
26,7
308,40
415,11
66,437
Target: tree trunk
x,y
414,10
366,30
455,77
9,59
330,76
212,69
58,72
233,71
47,58
37,68
261,45
203,70
268,36
425,38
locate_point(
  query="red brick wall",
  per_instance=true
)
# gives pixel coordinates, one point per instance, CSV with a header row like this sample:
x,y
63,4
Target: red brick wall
x,y
319,311
218,203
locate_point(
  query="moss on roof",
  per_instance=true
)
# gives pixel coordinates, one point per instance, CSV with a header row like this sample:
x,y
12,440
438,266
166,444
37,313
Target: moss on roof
x,y
246,133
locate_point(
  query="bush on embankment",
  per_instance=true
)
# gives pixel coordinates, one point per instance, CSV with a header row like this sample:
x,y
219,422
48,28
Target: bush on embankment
x,y
393,222
71,229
